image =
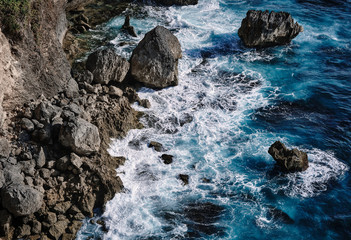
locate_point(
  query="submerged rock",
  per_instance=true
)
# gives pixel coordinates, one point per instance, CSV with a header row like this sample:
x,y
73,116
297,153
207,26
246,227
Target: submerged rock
x,y
278,215
154,61
106,65
289,160
184,178
266,29
167,159
21,200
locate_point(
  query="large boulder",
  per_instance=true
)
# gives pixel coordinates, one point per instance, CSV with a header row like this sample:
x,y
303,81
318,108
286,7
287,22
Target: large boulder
x,y
81,136
266,29
21,200
289,160
154,61
176,2
106,65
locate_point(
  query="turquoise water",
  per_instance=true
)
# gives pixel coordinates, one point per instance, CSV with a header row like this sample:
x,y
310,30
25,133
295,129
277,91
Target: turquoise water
x,y
239,101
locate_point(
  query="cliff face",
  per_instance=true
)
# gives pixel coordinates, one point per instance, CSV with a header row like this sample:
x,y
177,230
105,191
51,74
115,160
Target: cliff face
x,y
35,63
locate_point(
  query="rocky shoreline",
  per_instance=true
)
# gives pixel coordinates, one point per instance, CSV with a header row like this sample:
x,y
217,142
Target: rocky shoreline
x,y
54,164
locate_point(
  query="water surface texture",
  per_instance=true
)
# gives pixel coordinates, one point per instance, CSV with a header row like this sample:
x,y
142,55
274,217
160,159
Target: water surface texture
x,y
230,105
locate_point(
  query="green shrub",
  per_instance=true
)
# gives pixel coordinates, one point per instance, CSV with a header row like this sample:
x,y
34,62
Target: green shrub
x,y
12,14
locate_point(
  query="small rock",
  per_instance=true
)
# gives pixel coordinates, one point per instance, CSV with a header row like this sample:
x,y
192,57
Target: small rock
x,y
23,231
145,103
41,159
128,28
167,159
289,160
51,218
76,160
45,173
72,89
157,146
62,163
58,229
4,148
62,207
114,91
27,124
36,227
184,178
12,174
132,95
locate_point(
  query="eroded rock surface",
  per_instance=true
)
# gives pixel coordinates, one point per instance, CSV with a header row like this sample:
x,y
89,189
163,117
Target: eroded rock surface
x,y
154,61
267,29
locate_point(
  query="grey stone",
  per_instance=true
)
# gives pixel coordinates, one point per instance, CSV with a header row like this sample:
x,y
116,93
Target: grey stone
x,y
41,159
4,148
72,89
45,173
27,124
115,91
266,29
12,174
45,111
36,227
106,65
23,230
62,163
62,207
58,229
28,167
51,218
82,137
21,200
76,160
154,61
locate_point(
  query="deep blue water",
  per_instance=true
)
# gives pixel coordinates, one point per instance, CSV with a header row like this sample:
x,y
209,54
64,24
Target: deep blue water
x,y
240,101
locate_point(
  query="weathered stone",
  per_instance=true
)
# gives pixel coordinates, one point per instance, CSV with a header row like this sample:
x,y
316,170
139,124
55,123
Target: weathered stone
x,y
72,89
27,124
289,160
23,231
82,137
58,229
106,65
36,227
76,160
28,167
45,111
132,95
154,61
74,227
114,91
51,218
21,200
4,148
41,159
62,207
62,163
87,204
45,173
266,29
12,174
5,222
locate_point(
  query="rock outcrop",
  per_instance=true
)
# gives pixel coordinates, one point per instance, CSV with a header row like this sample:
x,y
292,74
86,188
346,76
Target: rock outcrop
x,y
289,160
129,28
267,29
154,61
106,65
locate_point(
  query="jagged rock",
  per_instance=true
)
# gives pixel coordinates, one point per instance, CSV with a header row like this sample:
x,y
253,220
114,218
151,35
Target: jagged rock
x,y
36,227
167,159
132,95
184,178
76,160
21,200
27,124
128,28
87,204
114,91
145,103
266,29
12,174
51,218
62,207
289,160
62,163
41,159
23,231
45,111
154,61
106,65
4,148
27,167
81,136
58,229
72,89
177,2
157,146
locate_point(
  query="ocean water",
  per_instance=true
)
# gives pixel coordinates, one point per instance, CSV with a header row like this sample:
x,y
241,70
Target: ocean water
x,y
231,104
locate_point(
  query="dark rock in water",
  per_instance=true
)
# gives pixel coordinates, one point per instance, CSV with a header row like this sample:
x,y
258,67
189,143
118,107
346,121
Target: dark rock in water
x,y
106,65
184,178
145,103
266,29
21,200
157,146
4,148
167,159
154,61
206,180
177,2
128,28
289,160
81,136
132,95
278,215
